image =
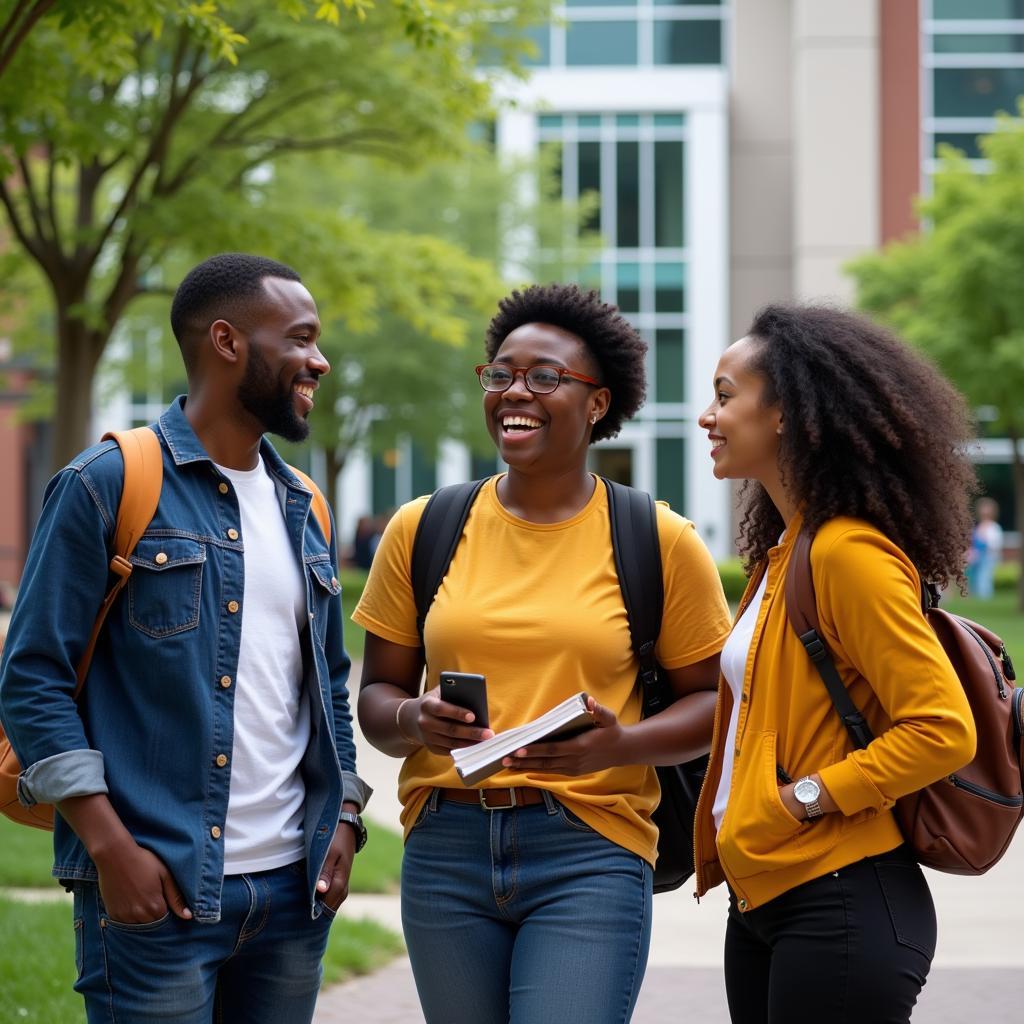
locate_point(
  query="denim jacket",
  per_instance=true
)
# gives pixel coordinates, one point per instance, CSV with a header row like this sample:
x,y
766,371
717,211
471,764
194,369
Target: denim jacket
x,y
156,710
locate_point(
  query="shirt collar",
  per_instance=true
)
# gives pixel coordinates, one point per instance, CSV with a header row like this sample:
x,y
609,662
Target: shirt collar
x,y
185,447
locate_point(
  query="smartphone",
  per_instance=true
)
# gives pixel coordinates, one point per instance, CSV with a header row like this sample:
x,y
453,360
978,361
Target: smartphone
x,y
468,690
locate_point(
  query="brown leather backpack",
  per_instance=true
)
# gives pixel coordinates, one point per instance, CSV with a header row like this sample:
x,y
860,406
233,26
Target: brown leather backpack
x,y
140,495
963,823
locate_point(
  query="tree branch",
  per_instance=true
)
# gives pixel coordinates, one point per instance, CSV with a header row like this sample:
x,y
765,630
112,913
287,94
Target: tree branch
x,y
51,199
159,142
30,244
9,44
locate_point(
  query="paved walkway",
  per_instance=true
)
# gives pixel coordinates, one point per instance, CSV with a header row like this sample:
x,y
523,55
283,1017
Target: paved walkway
x,y
978,974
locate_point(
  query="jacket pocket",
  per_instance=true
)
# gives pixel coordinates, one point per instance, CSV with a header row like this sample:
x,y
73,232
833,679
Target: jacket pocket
x,y
758,834
165,585
325,588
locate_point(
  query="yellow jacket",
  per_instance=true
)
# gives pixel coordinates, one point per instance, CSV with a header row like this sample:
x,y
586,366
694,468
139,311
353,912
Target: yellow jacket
x,y
897,673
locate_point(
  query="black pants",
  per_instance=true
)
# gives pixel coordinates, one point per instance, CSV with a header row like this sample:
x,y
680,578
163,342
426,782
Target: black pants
x,y
853,947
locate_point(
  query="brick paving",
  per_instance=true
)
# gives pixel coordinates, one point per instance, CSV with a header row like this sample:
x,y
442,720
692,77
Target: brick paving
x,y
693,995
977,978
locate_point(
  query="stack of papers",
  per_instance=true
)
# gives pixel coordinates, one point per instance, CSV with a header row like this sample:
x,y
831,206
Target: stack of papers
x,y
478,762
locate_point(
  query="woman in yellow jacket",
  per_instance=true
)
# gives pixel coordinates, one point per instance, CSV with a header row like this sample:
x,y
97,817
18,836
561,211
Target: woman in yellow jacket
x,y
840,429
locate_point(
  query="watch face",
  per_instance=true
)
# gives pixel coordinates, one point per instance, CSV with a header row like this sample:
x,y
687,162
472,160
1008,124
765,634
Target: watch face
x,y
807,791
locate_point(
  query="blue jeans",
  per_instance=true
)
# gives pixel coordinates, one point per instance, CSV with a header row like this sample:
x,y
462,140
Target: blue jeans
x,y
523,916
260,964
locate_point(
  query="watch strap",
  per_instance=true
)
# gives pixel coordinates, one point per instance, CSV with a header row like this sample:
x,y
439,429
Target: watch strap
x,y
357,825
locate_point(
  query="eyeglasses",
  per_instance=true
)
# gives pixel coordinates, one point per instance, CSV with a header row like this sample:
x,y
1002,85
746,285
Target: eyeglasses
x,y
540,379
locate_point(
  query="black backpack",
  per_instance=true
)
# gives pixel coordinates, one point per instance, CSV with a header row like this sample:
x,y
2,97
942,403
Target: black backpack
x,y
638,562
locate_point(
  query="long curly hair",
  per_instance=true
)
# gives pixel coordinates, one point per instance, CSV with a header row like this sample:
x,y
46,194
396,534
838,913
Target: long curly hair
x,y
611,339
870,430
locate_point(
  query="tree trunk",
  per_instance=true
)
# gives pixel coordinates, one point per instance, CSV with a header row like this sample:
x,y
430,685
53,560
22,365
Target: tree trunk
x,y
334,463
1018,501
78,353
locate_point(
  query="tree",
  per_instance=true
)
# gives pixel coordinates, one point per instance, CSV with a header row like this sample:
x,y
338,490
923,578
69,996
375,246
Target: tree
x,y
952,290
161,149
403,366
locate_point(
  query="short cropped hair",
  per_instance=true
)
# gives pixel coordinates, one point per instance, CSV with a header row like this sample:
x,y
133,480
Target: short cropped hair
x,y
614,343
227,287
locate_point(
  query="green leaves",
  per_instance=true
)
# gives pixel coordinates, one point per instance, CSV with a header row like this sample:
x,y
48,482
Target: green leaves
x,y
950,290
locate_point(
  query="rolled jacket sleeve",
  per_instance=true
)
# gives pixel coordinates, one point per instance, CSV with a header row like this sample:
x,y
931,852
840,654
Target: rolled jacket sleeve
x,y
63,585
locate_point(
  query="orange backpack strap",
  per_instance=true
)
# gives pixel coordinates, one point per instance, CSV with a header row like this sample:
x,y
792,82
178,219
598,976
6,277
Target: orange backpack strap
x,y
319,504
140,495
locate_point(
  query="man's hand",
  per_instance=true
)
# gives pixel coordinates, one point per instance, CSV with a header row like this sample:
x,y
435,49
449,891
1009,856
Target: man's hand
x,y
136,886
333,883
592,751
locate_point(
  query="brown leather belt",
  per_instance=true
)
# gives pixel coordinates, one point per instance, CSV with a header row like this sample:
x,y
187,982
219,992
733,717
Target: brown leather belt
x,y
495,799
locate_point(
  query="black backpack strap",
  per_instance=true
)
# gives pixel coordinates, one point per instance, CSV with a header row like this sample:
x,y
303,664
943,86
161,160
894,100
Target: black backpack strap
x,y
637,551
802,609
437,537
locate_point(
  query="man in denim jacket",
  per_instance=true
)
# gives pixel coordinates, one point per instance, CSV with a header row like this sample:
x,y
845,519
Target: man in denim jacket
x,y
205,781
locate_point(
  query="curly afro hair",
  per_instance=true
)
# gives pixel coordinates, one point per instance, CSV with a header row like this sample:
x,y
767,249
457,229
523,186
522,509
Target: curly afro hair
x,y
613,342
871,430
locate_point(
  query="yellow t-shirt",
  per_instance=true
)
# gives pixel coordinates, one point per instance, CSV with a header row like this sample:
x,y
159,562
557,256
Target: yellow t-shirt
x,y
536,608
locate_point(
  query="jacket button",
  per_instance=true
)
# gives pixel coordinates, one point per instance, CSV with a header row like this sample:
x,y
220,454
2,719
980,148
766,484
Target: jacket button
x,y
225,681
743,904
222,759
232,534
160,559
215,831
743,696
736,753
233,607
222,487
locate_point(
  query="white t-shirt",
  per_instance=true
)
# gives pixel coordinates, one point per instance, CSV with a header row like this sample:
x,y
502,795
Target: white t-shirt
x,y
265,803
734,664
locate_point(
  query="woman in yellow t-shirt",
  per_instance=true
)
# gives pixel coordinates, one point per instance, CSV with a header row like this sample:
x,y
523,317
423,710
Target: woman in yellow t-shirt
x,y
529,899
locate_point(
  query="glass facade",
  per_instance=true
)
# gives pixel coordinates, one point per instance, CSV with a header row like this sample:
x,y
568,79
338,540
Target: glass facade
x,y
973,66
633,33
632,166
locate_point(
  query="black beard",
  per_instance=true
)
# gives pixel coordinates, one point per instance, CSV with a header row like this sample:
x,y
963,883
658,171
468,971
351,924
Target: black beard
x,y
274,406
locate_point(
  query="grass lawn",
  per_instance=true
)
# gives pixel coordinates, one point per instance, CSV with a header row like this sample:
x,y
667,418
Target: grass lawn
x,y
352,583
26,855
37,959
1000,614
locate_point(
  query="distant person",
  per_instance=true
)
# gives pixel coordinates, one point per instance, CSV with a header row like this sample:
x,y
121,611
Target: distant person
x,y
840,430
528,897
986,549
365,541
208,807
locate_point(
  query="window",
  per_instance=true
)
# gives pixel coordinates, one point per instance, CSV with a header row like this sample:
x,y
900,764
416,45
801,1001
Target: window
x,y
974,56
633,33
633,164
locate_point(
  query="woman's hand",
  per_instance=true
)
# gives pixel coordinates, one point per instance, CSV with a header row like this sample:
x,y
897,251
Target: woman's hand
x,y
441,727
592,751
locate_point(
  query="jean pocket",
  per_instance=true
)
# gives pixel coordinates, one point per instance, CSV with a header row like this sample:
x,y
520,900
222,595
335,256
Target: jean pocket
x,y
421,818
328,912
136,928
165,585
573,820
909,902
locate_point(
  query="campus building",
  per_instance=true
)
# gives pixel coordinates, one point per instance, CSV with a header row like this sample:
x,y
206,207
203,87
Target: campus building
x,y
741,152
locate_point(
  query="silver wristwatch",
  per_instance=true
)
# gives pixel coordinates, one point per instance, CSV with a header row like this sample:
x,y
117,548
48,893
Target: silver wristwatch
x,y
807,792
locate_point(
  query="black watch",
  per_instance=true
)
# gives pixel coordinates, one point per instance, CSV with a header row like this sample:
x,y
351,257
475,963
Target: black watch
x,y
357,824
